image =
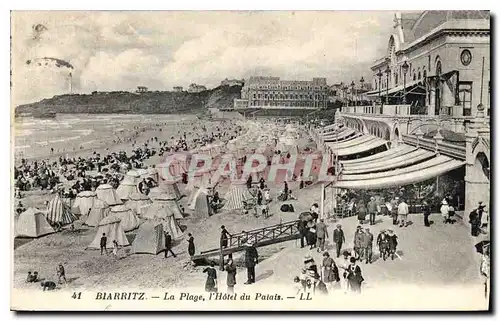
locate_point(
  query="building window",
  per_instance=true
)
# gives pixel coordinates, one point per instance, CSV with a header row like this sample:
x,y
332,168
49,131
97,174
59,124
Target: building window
x,y
465,96
419,75
438,68
414,77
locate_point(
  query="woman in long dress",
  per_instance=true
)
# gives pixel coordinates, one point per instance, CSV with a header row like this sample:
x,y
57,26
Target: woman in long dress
x,y
361,212
444,211
191,248
311,235
231,275
211,283
115,248
344,268
354,276
330,270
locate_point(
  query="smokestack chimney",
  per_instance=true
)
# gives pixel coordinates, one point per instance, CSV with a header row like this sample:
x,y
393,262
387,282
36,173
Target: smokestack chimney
x,y
70,83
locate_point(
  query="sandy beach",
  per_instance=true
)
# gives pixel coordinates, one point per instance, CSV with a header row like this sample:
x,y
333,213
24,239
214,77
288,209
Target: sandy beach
x,y
88,269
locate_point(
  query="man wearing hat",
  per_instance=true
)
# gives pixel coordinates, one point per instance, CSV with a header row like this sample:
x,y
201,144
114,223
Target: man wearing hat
x,y
392,241
251,259
358,242
394,210
338,238
475,219
372,210
321,235
368,245
382,243
403,213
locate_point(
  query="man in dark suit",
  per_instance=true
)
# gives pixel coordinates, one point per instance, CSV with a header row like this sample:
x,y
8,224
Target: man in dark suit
x,y
168,244
321,235
104,241
224,236
251,259
338,239
368,245
302,226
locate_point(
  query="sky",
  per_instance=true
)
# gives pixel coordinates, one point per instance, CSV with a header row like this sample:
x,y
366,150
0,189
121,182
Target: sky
x,y
112,51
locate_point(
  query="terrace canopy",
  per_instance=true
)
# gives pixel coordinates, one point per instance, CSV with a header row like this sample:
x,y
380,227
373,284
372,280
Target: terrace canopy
x,y
409,175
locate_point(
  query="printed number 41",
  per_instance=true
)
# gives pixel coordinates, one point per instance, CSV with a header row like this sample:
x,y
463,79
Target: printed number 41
x,y
77,295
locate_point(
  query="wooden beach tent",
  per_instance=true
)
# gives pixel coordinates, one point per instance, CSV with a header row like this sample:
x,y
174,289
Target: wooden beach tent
x,y
112,227
107,193
59,213
32,223
129,220
84,202
149,238
98,211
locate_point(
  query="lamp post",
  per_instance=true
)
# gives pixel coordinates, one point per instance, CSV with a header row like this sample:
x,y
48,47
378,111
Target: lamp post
x,y
379,75
405,67
362,81
352,93
387,72
345,95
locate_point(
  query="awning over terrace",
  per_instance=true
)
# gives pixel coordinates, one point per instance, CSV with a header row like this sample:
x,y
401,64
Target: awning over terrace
x,y
400,177
359,148
373,166
341,136
353,142
389,154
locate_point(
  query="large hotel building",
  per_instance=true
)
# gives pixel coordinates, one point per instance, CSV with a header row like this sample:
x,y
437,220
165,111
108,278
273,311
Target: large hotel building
x,y
269,92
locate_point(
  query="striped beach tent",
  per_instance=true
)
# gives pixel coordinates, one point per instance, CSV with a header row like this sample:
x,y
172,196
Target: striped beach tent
x,y
110,226
59,213
98,211
237,193
32,223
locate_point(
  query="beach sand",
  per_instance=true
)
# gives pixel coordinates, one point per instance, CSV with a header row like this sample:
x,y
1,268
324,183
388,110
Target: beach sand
x,y
87,269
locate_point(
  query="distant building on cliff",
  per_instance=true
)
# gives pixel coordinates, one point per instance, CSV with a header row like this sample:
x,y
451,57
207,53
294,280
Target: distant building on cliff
x,y
232,82
194,88
178,89
141,89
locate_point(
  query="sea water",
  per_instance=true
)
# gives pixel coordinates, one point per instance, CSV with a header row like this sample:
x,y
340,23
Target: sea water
x,y
34,137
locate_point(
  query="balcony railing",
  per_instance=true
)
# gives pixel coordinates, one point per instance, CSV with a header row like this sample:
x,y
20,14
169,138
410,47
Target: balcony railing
x,y
435,145
385,110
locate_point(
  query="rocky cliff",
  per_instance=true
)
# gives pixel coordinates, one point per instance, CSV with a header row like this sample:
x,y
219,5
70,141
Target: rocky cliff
x,y
153,102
